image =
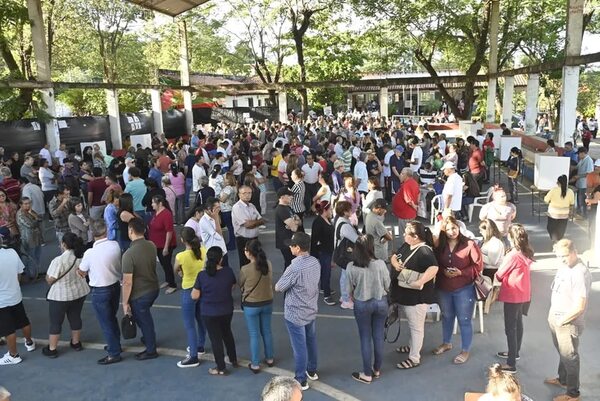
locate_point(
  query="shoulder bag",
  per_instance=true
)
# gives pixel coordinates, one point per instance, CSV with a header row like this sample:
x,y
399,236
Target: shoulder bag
x,y
59,277
251,291
392,317
408,276
342,254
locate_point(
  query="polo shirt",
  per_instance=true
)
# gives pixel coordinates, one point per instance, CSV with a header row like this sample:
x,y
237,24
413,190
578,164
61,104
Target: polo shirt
x,y
140,261
210,236
409,190
311,174
240,213
12,266
215,292
102,262
137,189
454,187
300,282
569,285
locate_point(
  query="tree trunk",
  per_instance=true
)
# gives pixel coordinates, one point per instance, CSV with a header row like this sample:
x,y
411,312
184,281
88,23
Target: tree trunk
x,y
272,98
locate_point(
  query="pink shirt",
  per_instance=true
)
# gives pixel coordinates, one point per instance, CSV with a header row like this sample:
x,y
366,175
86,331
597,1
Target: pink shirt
x,y
514,274
178,183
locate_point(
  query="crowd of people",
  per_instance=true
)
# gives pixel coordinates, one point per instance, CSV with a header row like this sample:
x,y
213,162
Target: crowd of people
x,y
117,217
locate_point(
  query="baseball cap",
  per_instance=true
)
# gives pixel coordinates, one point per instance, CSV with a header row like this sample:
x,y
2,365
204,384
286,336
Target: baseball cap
x,y
400,148
283,191
448,165
299,239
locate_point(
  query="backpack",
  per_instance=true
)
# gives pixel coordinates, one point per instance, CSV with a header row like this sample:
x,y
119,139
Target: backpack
x,y
343,252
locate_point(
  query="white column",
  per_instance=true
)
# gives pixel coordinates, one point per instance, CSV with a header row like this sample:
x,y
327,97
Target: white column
x,y
156,110
349,101
490,110
531,110
185,76
507,100
570,76
383,101
114,122
42,61
283,109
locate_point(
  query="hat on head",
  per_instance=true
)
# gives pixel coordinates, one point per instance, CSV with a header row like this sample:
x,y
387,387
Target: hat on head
x,y
400,148
448,165
337,164
299,239
369,151
129,159
283,191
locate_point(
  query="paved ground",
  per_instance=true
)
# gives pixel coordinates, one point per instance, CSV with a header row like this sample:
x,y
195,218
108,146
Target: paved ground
x,y
76,376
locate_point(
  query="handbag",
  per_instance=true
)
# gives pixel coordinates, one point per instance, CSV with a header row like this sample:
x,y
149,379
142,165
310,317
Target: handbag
x,y
408,276
483,287
513,173
250,292
392,317
59,277
128,327
343,252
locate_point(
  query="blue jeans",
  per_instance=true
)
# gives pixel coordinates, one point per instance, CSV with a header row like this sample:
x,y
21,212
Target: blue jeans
x,y
325,261
188,190
140,309
105,301
344,293
370,317
124,244
458,304
258,320
581,206
33,254
229,222
191,318
304,345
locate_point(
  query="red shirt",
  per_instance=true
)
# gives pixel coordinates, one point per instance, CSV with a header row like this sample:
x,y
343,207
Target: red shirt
x,y
466,257
159,226
12,188
488,144
97,187
475,161
164,164
514,274
409,191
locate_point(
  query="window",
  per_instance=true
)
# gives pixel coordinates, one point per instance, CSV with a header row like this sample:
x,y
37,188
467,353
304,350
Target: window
x,y
235,103
250,102
259,102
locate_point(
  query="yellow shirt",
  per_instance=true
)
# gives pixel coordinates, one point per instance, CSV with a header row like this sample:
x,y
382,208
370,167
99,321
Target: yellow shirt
x,y
190,266
276,161
558,207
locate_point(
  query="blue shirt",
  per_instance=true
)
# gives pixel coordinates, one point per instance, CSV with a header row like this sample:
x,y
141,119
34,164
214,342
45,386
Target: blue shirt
x,y
155,175
215,292
300,282
112,224
585,166
572,154
137,189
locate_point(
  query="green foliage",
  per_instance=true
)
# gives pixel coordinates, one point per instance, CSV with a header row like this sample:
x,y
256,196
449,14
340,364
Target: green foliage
x,y
589,93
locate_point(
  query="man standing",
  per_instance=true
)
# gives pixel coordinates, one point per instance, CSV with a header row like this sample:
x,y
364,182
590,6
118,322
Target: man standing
x,y
300,283
337,177
453,189
140,285
103,265
61,154
374,226
197,173
210,227
246,221
416,158
96,189
387,171
59,210
584,166
28,171
12,312
137,188
286,224
311,172
406,201
361,175
476,162
129,163
45,154
36,195
570,294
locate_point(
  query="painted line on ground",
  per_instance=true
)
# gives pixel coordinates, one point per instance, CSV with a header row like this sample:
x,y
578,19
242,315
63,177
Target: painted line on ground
x,y
275,371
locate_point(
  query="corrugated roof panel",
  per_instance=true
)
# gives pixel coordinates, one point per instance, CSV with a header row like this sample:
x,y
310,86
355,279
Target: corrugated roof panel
x,y
169,7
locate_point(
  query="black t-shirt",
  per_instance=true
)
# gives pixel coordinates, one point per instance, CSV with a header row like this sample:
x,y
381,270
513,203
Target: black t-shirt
x,y
371,165
282,213
322,237
190,161
419,262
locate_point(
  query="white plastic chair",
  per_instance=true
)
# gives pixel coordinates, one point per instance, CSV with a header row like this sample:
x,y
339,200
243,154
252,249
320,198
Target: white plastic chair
x,y
435,210
435,308
479,201
478,308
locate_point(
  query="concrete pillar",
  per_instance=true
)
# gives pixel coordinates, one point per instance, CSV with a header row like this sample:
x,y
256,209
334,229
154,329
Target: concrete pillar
x,y
42,61
490,110
283,109
507,100
185,76
156,110
349,101
531,110
112,105
383,101
570,74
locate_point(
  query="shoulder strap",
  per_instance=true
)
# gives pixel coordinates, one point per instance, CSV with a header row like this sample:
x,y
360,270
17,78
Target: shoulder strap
x,y
338,231
253,288
65,273
415,251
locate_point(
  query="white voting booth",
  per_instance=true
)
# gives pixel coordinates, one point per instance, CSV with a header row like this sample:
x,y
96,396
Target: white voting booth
x,y
548,167
143,139
506,144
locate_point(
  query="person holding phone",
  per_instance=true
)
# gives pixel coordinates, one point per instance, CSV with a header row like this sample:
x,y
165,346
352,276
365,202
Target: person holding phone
x,y
210,227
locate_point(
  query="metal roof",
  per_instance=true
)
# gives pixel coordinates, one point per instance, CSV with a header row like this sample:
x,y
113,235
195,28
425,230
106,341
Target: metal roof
x,y
169,7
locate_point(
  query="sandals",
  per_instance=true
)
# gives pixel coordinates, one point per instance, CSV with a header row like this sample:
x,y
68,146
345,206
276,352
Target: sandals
x,y
441,349
407,364
461,358
269,364
253,370
375,375
216,372
554,381
403,349
358,377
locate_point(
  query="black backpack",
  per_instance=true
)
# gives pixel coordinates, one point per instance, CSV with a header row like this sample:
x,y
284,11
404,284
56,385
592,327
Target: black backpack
x,y
343,252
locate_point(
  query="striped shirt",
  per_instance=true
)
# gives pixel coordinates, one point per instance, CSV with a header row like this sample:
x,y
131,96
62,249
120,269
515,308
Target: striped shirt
x,y
300,282
297,204
71,286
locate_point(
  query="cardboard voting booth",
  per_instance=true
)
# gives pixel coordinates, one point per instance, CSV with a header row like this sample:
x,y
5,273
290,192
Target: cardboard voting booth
x,y
506,144
144,139
548,167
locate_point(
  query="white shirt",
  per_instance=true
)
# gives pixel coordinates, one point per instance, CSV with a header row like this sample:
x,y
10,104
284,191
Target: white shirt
x,y
60,155
387,172
12,266
126,175
241,213
36,195
360,172
311,174
210,236
338,149
103,263
417,155
197,173
46,176
45,153
194,225
454,186
442,147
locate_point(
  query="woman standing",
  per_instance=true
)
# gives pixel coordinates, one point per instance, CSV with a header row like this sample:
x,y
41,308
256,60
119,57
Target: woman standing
x,y
216,180
213,287
48,181
8,215
374,193
515,292
125,214
194,221
256,284
560,199
492,247
350,194
368,281
514,169
28,222
67,293
460,262
321,247
161,233
324,193
79,221
228,197
188,264
415,254
170,194
299,190
177,179
499,210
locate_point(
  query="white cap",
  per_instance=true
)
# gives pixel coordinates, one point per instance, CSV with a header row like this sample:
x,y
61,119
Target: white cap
x,y
448,165
597,164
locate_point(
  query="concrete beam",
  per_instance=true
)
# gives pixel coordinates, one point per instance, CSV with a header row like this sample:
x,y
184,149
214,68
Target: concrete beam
x,y
114,122
383,101
184,63
490,110
507,100
283,108
156,110
531,109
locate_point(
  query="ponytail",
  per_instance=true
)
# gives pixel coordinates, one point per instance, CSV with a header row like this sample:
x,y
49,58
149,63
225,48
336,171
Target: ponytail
x,y
563,182
74,243
213,259
255,249
189,237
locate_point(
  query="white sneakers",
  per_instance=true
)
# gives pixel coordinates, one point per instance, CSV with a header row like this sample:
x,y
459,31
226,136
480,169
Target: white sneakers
x,y
29,347
347,305
8,359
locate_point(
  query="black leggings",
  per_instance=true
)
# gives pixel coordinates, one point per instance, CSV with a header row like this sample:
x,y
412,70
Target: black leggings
x,y
165,262
219,332
513,327
58,310
556,228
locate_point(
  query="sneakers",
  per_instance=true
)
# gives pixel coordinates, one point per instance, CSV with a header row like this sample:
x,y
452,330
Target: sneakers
x,y
170,290
30,346
2,341
333,292
329,301
50,353
347,305
509,369
304,385
189,362
504,355
312,375
199,352
9,359
164,285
